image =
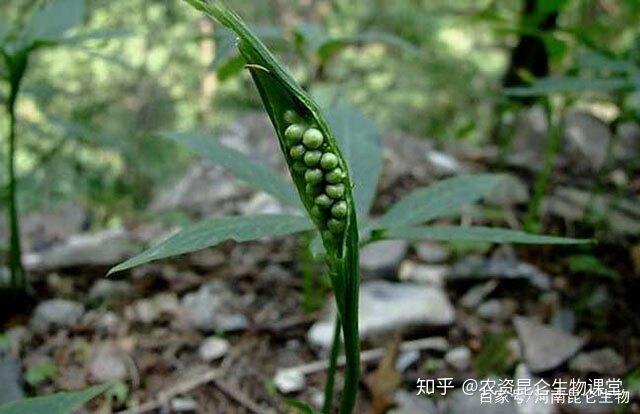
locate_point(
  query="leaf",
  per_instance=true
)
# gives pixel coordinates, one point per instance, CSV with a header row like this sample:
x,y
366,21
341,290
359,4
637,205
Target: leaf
x,y
211,232
474,234
253,173
361,144
328,47
40,373
300,407
560,84
442,199
51,22
60,403
598,61
586,263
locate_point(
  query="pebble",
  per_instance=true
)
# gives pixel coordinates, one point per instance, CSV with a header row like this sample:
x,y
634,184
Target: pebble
x,y
602,361
213,348
56,313
289,380
183,404
107,364
474,296
425,274
381,260
459,358
430,252
210,309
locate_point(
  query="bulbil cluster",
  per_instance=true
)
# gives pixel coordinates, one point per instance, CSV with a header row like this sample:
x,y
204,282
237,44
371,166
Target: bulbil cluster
x,y
319,167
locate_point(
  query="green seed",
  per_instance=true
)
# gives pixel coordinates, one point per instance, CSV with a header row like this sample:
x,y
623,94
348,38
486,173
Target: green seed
x,y
312,158
313,176
312,138
335,176
316,212
323,201
299,167
297,152
335,226
335,191
339,209
291,117
329,161
311,190
294,133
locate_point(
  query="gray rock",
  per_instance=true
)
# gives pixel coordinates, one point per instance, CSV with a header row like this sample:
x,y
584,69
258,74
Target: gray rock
x,y
42,229
406,359
210,309
10,379
459,358
110,289
544,347
183,405
587,139
565,319
530,405
461,403
509,191
603,361
499,268
497,309
386,306
213,348
425,274
150,310
443,164
381,260
289,380
409,403
474,296
56,313
107,364
262,203
530,135
430,252
405,157
628,143
104,248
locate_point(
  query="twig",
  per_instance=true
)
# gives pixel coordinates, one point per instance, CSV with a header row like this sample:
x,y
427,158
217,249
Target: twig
x,y
238,396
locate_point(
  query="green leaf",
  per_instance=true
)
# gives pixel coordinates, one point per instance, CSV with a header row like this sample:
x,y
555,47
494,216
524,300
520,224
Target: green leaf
x,y
329,47
300,407
559,84
253,173
60,403
588,264
361,143
442,199
41,373
474,234
51,22
598,61
211,232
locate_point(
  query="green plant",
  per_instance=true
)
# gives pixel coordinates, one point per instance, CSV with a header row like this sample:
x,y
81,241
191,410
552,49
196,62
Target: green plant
x,y
335,187
47,27
60,403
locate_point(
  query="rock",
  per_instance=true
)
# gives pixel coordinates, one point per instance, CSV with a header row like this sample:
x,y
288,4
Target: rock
x,y
627,145
381,259
406,359
42,229
213,348
564,319
210,309
499,268
509,192
425,274
107,364
56,313
405,156
497,310
104,248
461,403
586,139
109,322
107,289
431,252
10,379
529,138
459,358
183,405
603,361
530,405
289,380
443,164
474,296
544,347
262,203
386,306
409,403
150,310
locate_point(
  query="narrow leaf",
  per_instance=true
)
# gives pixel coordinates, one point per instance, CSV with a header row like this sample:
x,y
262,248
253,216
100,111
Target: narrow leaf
x,y
558,84
442,199
50,23
60,403
214,231
252,172
475,234
361,143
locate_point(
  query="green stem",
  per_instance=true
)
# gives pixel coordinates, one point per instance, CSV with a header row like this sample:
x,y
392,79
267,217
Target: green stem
x,y
333,365
532,219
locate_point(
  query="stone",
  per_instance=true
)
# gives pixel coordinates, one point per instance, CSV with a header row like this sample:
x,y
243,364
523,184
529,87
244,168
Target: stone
x,y
410,403
529,138
530,405
183,405
56,313
459,358
544,347
107,364
104,248
107,289
431,252
424,274
627,145
509,191
381,259
474,267
262,203
406,359
150,310
443,164
587,139
210,309
405,156
10,378
289,381
602,361
497,309
475,295
386,307
213,348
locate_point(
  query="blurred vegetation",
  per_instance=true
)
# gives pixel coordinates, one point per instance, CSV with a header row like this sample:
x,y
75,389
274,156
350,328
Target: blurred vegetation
x,y
431,68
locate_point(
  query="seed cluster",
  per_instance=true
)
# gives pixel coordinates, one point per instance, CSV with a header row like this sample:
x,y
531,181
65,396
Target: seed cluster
x,y
319,167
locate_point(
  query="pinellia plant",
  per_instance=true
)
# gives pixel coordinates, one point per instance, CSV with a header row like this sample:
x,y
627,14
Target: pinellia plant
x,y
335,180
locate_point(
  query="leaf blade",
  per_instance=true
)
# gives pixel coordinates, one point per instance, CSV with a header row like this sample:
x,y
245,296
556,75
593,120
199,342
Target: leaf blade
x,y
211,232
475,234
60,403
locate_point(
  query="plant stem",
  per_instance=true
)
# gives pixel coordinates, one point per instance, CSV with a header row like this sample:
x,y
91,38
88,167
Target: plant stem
x,y
532,219
333,365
